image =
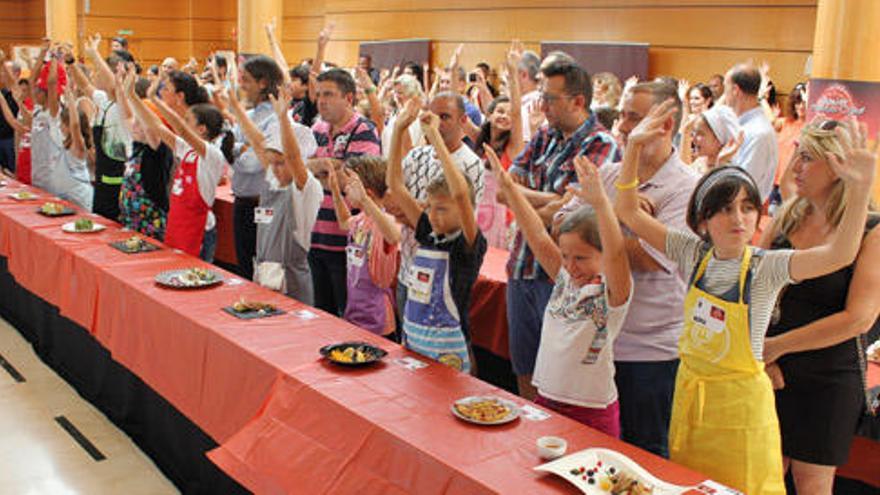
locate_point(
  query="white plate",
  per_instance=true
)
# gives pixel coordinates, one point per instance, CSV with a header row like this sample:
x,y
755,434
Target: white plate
x,y
590,459
17,197
71,227
512,415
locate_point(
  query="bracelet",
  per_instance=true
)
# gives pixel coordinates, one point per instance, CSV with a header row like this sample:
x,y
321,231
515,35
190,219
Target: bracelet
x,y
629,185
370,90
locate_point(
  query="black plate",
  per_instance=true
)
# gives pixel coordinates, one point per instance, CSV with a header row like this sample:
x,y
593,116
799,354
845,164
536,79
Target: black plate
x,y
253,315
377,353
65,212
146,247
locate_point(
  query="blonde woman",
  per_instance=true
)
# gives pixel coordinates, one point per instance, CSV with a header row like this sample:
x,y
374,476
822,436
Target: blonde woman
x,y
606,90
813,334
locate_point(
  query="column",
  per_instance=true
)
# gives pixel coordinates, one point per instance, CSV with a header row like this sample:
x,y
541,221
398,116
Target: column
x,y
252,18
61,21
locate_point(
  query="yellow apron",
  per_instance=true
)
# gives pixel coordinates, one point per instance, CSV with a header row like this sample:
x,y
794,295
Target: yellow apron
x,y
724,420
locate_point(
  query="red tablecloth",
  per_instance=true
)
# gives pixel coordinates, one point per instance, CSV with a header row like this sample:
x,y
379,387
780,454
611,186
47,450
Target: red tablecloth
x,y
286,421
488,313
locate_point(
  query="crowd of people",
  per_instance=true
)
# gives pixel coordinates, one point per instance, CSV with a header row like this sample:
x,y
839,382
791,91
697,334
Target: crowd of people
x,y
646,298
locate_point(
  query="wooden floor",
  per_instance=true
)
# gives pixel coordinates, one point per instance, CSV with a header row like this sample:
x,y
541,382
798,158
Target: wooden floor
x,y
54,442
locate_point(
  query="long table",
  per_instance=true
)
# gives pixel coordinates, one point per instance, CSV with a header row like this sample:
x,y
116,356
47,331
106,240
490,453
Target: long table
x,y
285,421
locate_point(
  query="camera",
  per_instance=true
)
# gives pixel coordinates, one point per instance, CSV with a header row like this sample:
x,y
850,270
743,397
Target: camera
x,y
472,77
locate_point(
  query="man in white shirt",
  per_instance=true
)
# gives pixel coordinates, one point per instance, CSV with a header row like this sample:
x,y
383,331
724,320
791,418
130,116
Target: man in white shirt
x,y
759,151
527,71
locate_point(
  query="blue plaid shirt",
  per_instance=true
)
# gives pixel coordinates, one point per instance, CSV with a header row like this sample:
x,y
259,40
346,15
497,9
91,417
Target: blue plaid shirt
x,y
548,164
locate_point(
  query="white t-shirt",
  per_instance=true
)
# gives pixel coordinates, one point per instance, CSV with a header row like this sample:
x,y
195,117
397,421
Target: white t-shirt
x,y
114,129
46,148
208,173
575,363
415,135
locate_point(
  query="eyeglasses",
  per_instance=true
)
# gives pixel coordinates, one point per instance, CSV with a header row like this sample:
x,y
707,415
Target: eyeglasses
x,y
553,98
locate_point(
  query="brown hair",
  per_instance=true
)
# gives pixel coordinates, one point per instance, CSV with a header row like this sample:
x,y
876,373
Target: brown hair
x,y
371,170
440,187
585,224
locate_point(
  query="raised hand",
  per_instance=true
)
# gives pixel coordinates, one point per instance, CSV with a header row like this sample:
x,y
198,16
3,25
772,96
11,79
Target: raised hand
x,y
456,56
729,150
591,190
363,79
354,188
325,34
764,70
858,165
280,104
683,86
430,123
94,42
651,127
409,113
536,116
505,181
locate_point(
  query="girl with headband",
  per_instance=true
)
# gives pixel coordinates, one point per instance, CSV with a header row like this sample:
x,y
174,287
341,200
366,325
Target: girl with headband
x,y
723,414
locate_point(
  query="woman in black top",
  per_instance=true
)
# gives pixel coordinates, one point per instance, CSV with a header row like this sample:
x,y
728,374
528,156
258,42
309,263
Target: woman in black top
x,y
813,334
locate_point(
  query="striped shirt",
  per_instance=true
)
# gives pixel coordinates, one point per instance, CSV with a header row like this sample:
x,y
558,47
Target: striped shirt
x,y
548,165
357,137
770,274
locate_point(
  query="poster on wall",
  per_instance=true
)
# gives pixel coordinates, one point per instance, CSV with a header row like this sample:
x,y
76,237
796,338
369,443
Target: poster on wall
x,y
838,100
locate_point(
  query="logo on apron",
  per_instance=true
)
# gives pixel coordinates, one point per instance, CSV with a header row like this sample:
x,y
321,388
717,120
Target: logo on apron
x,y
708,337
451,360
421,282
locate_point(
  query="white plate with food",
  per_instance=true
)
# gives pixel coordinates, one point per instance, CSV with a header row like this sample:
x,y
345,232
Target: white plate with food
x,y
23,196
190,278
604,472
82,226
485,410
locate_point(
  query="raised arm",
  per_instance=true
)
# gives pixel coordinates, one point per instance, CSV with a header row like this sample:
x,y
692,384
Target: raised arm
x,y
292,154
407,204
856,169
52,88
255,138
10,118
77,143
343,214
124,105
530,224
377,110
277,53
615,262
458,186
516,144
356,192
199,145
627,203
155,131
102,70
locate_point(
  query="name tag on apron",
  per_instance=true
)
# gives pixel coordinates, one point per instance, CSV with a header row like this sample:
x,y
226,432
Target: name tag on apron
x,y
177,187
263,215
709,316
356,256
421,284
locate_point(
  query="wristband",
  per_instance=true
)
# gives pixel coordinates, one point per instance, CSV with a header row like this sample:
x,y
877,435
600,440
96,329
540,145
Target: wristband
x,y
629,185
370,90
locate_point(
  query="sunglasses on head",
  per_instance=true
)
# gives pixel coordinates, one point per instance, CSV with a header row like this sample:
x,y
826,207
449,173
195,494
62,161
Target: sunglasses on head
x,y
829,125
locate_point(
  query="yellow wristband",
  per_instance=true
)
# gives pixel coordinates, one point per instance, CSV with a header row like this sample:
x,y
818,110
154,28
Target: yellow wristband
x,y
630,185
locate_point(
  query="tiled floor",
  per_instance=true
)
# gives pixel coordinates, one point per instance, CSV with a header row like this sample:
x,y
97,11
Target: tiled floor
x,y
37,455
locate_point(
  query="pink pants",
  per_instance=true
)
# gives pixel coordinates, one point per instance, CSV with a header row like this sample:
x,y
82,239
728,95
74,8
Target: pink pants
x,y
605,420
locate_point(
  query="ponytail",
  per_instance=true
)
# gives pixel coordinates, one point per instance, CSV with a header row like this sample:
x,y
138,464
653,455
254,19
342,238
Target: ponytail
x,y
227,145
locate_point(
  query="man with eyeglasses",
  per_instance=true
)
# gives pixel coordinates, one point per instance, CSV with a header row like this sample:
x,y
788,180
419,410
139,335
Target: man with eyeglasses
x,y
544,170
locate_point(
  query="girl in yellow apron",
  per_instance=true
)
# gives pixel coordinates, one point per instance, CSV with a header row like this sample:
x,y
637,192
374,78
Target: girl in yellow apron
x,y
723,415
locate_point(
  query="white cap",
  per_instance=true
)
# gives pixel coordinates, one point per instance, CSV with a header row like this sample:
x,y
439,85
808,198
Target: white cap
x,y
273,143
723,122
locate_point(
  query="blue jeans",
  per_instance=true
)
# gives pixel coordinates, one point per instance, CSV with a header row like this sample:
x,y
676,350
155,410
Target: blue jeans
x,y
209,245
645,390
526,301
7,153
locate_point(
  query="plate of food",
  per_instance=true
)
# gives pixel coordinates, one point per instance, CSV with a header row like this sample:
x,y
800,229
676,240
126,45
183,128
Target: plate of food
x,y
485,410
251,310
604,472
82,226
134,244
189,278
52,209
873,352
352,353
23,196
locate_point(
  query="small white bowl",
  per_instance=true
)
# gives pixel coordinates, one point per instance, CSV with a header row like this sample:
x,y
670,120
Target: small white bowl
x,y
550,448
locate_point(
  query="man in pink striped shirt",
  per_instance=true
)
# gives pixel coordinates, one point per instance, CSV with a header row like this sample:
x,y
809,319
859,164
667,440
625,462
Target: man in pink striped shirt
x,y
340,133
